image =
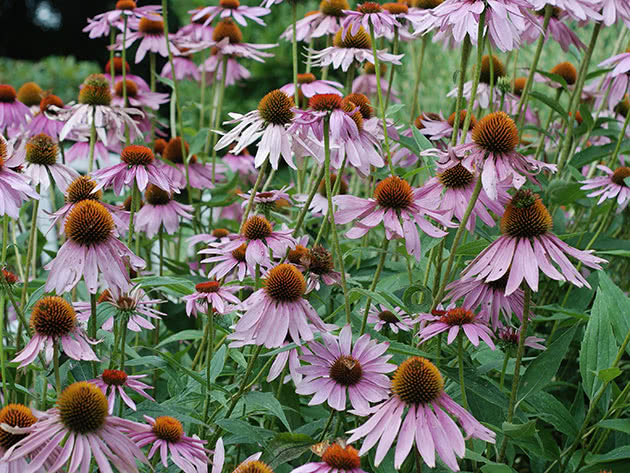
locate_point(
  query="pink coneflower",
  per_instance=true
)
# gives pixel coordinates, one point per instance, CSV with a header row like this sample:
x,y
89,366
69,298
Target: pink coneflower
x,y
13,113
579,10
137,97
118,67
399,206
435,127
487,78
184,66
335,459
226,260
489,298
566,70
323,22
243,164
526,246
418,387
196,30
80,150
309,85
78,431
199,174
452,320
221,235
138,166
318,261
290,356
40,153
14,188
150,32
14,418
161,210
230,8
91,249
101,24
115,381
394,319
277,309
211,294
366,14
352,49
336,368
53,320
558,30
615,10
267,199
229,42
617,79
166,435
42,122
366,83
234,72
611,186
509,338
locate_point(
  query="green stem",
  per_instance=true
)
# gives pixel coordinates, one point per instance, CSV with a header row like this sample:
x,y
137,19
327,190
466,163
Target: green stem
x,y
124,74
392,69
29,252
622,134
463,65
56,367
123,342
135,204
324,226
506,360
92,326
250,202
92,141
112,69
476,76
460,366
377,275
541,143
416,85
202,109
3,260
294,53
309,199
217,116
161,248
209,354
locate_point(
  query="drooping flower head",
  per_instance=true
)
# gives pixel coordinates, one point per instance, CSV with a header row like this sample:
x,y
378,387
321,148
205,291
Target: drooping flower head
x,y
101,23
44,119
226,260
113,382
150,31
453,320
611,186
200,175
211,295
386,319
137,96
41,152
230,8
14,188
325,21
369,14
30,94
161,210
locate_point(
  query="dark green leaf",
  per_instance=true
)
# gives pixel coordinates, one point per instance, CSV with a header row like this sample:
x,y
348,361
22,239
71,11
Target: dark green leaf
x,y
267,402
286,446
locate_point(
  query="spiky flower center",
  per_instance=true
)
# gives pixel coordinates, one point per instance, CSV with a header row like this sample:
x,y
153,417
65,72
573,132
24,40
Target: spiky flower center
x,y
41,149
567,71
334,7
417,381
253,466
15,415
518,86
89,223
151,25
49,100
159,145
220,232
7,94
30,94
342,459
361,101
369,7
208,287
498,70
496,133
360,40
396,8
343,186
388,317
132,88
168,429
118,65
230,4
455,177
526,216
509,336
320,260
53,317
620,175
462,119
239,253
257,227
353,111
95,91
456,316
125,5
82,407
81,189
296,254
137,155
114,377
156,196
226,28
325,102
275,108
306,78
393,193
435,117
173,150
346,371
285,283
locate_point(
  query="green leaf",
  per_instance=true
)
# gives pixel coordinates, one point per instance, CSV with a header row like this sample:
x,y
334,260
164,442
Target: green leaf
x,y
608,374
551,103
183,335
178,286
596,153
619,453
267,402
472,248
620,425
218,362
286,446
244,432
549,409
421,140
519,430
618,307
497,468
199,141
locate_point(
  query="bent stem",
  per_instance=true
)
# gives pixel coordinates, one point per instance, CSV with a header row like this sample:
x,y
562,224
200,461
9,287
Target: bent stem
x,y
377,274
476,76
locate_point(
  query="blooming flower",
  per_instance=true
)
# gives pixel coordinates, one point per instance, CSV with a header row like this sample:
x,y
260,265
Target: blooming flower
x,y
615,10
558,29
211,294
14,189
226,260
452,320
291,357
393,320
367,84
617,79
229,41
114,381
336,368
399,206
91,249
101,24
234,72
41,153
309,85
579,10
16,416
319,204
418,388
53,320
510,337
491,71
42,123
334,459
137,96
13,113
166,435
184,67
161,211
369,14
230,8
150,32
278,309
199,174
526,246
611,186
77,432
319,263
325,21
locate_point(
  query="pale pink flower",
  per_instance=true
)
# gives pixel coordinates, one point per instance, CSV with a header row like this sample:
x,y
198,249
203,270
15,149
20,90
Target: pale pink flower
x,y
452,321
611,186
230,8
100,25
211,294
115,381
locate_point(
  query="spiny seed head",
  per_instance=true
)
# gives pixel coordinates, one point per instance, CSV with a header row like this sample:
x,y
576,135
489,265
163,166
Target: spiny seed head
x,y
620,175
125,5
137,155
89,223
297,254
53,317
455,177
253,466
95,90
159,145
393,192
226,28
285,283
346,371
342,459
208,287
173,150
41,149
220,232
14,415
435,117
306,78
343,187
497,69
275,108
132,88
82,407
417,381
156,196
361,101
325,102
257,227
369,7
81,189
239,253
320,260
356,116
30,94
118,65
567,71
230,4
396,8
114,377
526,216
152,25
361,40
7,93
105,296
456,316
334,7
49,100
496,133
388,317
518,85
168,429
462,119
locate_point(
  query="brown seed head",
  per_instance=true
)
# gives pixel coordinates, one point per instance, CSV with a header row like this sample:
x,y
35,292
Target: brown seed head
x,y
95,91
7,94
497,69
14,415
114,377
342,459
526,216
168,429
49,100
462,119
226,28
132,88
396,8
417,381
455,177
82,407
620,175
126,5
30,94
361,40
151,25
173,150
118,65
275,108
393,193
334,7
361,101
567,71
41,149
156,196
346,371
285,283
81,189
89,223
496,133
137,155
257,227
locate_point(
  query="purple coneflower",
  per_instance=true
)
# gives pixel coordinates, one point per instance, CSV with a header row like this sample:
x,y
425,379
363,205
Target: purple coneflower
x,y
77,432
335,459
184,67
229,42
579,10
118,67
196,30
526,246
267,198
225,260
558,30
234,72
290,356
243,164
166,435
80,150
277,309
486,90
13,113
318,261
42,122
53,320
367,84
617,79
40,153
14,188
394,319
199,174
114,381
399,206
160,209
509,337
211,294
418,388
150,32
566,70
16,416
336,367
309,85
101,24
369,14
137,96
615,10
91,249
230,8
319,204
323,22
611,186
452,320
